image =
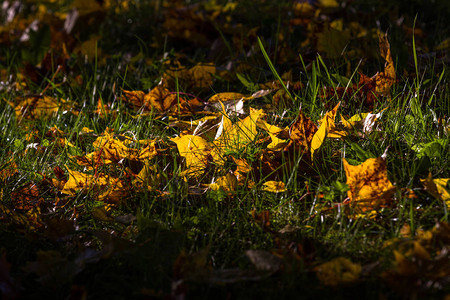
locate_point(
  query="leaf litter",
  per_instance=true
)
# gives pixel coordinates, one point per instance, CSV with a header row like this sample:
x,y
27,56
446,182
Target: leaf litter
x,y
225,145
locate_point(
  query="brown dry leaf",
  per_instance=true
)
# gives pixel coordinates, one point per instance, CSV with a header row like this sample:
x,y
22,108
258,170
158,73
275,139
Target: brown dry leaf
x,y
8,170
303,131
160,98
369,185
135,98
262,219
27,197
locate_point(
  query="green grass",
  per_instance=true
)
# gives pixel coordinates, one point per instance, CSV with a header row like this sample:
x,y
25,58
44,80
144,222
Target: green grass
x,y
182,238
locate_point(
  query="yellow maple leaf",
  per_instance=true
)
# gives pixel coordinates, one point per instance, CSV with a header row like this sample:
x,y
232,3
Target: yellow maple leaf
x,y
147,177
196,151
438,188
106,188
238,135
276,142
368,183
110,150
36,107
338,271
227,183
326,124
274,186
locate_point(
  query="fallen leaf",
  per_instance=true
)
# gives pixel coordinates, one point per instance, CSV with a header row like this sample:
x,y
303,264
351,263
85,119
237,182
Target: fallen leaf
x,y
438,188
369,185
303,131
227,183
274,186
338,271
326,125
384,80
196,151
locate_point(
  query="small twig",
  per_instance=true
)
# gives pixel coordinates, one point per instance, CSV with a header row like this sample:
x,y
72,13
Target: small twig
x,y
50,83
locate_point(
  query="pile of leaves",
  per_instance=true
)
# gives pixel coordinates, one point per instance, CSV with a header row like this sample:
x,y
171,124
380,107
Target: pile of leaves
x,y
173,149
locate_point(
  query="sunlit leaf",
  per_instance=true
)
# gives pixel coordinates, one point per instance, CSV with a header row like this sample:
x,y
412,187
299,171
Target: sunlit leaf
x,y
106,188
369,185
36,107
227,183
160,98
233,102
326,124
384,80
239,135
274,186
438,188
196,151
147,177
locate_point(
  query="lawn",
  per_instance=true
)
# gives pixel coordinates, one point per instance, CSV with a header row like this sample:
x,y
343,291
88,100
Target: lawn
x,y
224,149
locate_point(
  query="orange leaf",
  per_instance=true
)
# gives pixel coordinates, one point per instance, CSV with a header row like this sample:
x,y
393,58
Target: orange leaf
x,y
135,98
384,80
160,98
8,170
26,197
368,183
